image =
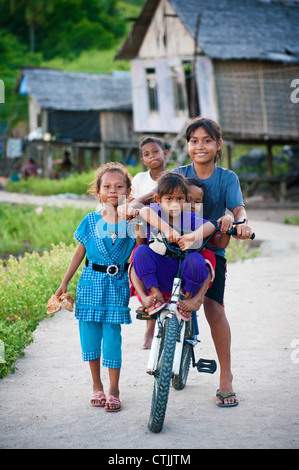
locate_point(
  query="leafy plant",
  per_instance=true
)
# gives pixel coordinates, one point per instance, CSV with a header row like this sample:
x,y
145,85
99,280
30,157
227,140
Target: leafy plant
x,y
237,250
26,284
15,337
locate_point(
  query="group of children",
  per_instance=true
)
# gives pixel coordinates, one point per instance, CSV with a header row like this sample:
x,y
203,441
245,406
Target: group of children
x,y
107,240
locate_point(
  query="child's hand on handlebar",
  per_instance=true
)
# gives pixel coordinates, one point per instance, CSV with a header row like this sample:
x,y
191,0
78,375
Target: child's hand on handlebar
x,y
226,222
186,241
172,235
125,211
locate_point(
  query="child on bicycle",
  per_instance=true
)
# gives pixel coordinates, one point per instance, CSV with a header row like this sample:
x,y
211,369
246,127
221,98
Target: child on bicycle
x,y
156,268
196,194
103,291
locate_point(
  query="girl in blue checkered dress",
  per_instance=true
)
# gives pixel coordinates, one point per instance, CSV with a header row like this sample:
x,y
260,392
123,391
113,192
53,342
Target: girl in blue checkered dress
x,y
103,291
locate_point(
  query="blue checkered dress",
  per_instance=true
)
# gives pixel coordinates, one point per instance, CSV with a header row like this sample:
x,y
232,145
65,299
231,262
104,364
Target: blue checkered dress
x,y
100,296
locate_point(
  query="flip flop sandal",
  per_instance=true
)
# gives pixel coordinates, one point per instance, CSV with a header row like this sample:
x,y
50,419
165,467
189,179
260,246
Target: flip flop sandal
x,y
100,397
157,307
222,396
67,301
54,304
182,315
112,400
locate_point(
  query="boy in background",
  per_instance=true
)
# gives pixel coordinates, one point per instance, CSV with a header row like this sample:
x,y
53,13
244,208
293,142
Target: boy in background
x,y
153,155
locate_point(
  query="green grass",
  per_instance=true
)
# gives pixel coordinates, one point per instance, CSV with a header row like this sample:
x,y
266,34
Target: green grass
x,y
90,62
23,228
75,183
292,220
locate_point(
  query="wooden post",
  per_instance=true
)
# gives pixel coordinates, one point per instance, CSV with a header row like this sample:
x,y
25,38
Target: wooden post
x,y
81,160
102,152
94,158
270,160
194,105
229,156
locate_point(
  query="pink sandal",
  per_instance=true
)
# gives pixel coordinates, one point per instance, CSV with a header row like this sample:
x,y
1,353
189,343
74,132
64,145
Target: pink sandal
x,y
112,400
157,307
182,315
100,398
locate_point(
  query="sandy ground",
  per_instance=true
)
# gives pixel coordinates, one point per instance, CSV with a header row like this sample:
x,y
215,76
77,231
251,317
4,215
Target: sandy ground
x,y
45,404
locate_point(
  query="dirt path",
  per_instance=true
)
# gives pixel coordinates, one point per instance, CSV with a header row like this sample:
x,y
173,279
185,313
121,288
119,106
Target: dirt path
x,y
45,404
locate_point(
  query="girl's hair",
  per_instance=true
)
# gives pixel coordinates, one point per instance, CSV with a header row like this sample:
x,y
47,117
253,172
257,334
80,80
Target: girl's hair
x,y
210,126
196,182
150,139
108,167
169,182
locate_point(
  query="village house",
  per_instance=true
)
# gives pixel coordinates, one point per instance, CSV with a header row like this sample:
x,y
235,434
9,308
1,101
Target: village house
x,y
80,111
233,61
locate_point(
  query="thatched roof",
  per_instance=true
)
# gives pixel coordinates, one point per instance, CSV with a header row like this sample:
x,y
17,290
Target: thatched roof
x,y
71,91
230,29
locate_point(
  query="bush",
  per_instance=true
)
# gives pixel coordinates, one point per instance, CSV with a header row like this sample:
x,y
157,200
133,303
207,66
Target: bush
x,y
15,337
26,284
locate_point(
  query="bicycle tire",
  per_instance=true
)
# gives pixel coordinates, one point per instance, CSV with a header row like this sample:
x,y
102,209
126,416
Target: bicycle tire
x,y
163,374
179,381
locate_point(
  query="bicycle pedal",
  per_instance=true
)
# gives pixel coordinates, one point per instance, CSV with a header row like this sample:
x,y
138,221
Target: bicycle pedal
x,y
145,316
206,365
192,340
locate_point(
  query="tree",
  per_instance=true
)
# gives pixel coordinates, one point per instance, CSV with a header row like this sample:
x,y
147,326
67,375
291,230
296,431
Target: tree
x,y
34,13
63,27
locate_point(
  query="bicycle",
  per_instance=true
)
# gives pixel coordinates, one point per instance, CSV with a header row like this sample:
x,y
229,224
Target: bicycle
x,y
173,344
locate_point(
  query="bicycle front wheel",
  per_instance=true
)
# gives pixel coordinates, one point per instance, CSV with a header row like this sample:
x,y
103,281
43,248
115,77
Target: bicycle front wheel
x,y
163,374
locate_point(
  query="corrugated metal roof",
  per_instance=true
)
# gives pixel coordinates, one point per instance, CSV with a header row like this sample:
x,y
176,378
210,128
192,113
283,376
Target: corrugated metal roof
x,y
71,91
247,29
232,29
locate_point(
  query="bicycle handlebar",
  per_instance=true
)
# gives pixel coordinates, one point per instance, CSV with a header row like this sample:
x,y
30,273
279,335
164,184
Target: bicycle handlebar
x,y
178,251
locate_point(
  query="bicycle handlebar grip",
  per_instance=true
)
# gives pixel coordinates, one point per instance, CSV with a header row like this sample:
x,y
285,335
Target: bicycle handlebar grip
x,y
233,231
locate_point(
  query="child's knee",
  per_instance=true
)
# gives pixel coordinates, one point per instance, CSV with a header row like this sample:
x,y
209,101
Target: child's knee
x,y
195,260
142,251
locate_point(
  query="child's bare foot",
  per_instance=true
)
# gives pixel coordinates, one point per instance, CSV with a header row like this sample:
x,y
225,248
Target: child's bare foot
x,y
148,301
149,334
148,339
189,305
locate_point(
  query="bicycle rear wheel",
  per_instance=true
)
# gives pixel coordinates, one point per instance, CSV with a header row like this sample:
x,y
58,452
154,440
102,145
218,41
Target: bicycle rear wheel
x,y
163,374
179,381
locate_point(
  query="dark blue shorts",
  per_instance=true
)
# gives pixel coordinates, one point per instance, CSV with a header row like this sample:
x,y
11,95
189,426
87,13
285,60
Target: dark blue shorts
x,y
216,291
